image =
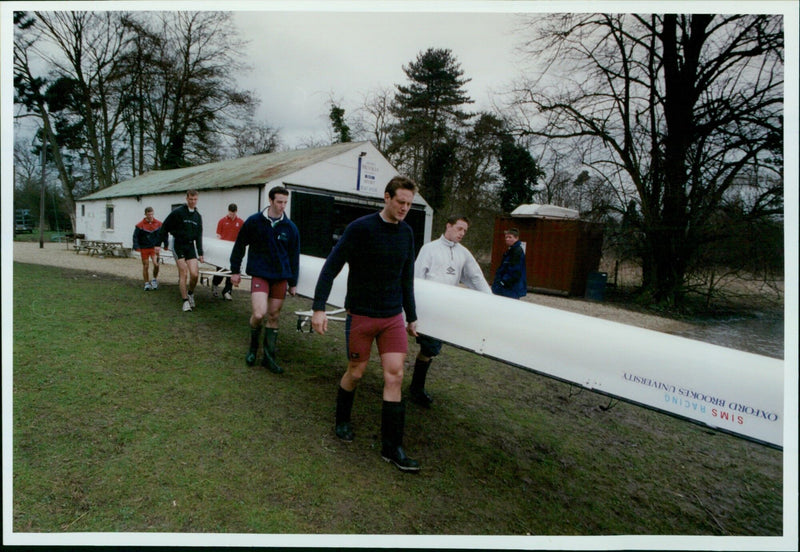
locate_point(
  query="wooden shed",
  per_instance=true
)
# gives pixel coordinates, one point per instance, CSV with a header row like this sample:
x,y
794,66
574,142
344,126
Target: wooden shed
x,y
560,249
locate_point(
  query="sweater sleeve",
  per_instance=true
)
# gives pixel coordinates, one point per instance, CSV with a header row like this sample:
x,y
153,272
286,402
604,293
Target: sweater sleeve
x,y
239,246
199,239
332,267
136,238
409,303
472,275
294,258
165,230
423,263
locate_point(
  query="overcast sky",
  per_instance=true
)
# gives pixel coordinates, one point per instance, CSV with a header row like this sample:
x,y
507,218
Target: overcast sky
x,y
301,60
303,52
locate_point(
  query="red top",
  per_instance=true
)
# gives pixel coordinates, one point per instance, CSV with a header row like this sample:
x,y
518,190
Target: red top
x,y
228,229
149,226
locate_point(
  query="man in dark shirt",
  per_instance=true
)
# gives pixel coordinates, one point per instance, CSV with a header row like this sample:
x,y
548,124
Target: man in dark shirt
x,y
186,226
379,251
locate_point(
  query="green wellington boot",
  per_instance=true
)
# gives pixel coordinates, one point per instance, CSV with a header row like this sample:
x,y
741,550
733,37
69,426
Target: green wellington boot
x,y
270,338
252,352
344,406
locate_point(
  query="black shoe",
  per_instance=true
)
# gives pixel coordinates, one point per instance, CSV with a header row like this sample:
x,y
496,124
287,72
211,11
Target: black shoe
x,y
397,456
344,431
250,359
420,397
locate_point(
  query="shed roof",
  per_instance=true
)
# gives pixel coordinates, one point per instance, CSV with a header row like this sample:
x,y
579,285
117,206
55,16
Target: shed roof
x,y
231,173
544,211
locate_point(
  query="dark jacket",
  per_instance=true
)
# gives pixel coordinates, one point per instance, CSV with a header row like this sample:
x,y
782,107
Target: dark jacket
x,y
186,226
273,252
147,235
511,279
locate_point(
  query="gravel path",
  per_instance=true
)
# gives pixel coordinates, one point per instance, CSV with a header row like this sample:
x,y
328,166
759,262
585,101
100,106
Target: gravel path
x,y
57,254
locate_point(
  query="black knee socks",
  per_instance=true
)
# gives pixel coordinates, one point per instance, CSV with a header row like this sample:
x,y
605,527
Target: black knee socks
x,y
420,373
344,405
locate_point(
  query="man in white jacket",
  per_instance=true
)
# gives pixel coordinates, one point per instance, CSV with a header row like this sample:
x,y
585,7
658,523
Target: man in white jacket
x,y
446,261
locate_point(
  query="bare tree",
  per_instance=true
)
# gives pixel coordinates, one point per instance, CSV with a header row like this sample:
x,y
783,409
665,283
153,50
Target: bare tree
x,y
256,138
29,95
191,101
669,109
153,89
374,119
311,141
83,49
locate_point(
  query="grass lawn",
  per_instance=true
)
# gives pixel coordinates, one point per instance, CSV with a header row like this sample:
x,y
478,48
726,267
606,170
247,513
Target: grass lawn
x,y
132,416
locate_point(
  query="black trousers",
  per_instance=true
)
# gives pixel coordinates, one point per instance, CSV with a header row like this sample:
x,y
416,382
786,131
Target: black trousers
x,y
216,280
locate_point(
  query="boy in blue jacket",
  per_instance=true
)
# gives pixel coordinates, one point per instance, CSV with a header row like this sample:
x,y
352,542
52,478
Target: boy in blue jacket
x,y
511,279
273,261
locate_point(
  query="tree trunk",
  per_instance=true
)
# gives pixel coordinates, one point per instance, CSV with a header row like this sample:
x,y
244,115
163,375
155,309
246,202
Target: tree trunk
x,y
669,240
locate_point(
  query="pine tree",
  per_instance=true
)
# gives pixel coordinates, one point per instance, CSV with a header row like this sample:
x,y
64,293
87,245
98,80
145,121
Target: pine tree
x,y
520,173
429,117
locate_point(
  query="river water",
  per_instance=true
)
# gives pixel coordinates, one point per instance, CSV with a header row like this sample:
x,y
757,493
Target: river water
x,y
761,333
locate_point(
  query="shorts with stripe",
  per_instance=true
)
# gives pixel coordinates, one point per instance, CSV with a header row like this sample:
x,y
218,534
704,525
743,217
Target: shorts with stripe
x,y
275,289
389,333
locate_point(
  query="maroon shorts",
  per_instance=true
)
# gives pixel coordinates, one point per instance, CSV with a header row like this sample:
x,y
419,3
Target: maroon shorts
x,y
148,253
360,331
275,289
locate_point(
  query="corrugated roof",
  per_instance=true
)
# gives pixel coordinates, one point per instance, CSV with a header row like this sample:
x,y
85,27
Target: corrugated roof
x,y
252,170
547,211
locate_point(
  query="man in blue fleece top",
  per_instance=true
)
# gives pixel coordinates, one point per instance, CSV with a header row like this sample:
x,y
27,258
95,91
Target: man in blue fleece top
x,y
273,262
379,251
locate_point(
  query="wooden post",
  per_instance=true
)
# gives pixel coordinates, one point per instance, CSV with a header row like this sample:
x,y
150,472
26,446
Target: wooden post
x,y
41,197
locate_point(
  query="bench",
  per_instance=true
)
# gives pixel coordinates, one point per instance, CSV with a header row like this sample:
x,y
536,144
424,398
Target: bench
x,y
84,245
102,248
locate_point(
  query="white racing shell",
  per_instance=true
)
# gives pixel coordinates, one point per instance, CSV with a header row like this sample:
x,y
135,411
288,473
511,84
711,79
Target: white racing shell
x,y
725,389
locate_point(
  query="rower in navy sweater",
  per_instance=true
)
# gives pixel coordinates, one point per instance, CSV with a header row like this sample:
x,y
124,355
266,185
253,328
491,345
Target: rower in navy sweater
x,y
379,250
272,243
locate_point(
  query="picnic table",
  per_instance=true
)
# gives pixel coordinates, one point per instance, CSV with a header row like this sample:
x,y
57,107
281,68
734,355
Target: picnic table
x,y
69,238
102,248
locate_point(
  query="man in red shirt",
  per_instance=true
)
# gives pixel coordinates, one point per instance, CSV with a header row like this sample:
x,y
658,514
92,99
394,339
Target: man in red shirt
x,y
227,229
